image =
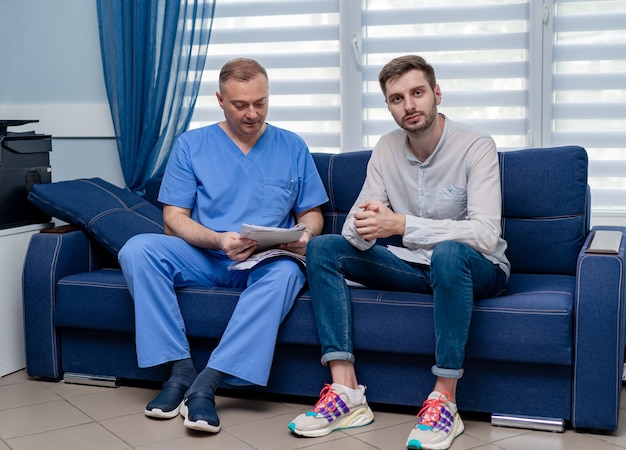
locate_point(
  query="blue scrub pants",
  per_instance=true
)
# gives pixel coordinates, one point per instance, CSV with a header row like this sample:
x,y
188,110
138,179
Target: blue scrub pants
x,y
457,276
154,265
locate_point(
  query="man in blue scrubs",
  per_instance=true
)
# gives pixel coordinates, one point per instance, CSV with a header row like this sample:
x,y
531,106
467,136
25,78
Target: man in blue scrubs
x,y
240,170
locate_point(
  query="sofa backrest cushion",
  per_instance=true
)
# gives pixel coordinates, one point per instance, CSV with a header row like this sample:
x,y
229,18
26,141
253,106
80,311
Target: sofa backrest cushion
x,y
545,201
343,175
108,213
545,208
152,191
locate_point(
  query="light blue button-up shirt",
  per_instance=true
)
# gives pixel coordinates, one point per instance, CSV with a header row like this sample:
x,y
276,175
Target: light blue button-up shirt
x,y
453,195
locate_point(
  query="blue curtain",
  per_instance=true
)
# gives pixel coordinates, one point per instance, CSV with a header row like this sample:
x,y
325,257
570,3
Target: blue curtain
x,y
153,54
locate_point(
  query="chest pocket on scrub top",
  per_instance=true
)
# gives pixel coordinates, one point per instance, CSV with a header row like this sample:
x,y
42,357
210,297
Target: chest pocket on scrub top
x,y
278,196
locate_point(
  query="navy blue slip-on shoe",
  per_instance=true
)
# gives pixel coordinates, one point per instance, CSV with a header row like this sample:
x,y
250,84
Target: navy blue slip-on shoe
x,y
198,409
166,405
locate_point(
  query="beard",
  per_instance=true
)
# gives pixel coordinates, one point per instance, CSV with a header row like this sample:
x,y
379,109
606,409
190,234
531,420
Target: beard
x,y
419,128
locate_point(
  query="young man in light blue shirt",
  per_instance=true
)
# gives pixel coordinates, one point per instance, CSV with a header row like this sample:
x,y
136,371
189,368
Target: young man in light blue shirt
x,y
435,183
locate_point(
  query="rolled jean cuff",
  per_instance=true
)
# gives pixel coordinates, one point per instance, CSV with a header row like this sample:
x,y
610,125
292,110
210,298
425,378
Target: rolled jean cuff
x,y
337,356
446,373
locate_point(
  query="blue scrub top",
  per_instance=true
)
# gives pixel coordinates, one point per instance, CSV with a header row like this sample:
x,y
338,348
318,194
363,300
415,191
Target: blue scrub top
x,y
207,173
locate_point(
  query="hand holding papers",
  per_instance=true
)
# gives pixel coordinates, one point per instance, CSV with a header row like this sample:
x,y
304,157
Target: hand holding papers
x,y
268,237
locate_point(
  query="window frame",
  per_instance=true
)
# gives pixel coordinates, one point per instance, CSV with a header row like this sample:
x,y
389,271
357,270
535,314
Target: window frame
x,y
541,76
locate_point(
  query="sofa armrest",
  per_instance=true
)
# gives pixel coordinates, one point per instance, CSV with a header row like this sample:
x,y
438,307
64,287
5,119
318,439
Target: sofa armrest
x,y
599,338
51,255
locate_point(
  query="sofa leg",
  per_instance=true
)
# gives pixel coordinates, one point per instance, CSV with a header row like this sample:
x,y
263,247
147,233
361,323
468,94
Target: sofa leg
x,y
531,423
91,380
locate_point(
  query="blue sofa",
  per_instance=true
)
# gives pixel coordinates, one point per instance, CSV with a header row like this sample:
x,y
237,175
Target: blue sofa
x,y
548,351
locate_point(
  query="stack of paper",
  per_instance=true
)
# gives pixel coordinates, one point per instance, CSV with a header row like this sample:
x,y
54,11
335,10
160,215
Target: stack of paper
x,y
262,256
268,237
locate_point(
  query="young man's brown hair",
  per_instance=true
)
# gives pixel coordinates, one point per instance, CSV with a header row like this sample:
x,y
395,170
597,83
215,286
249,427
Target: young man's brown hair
x,y
401,65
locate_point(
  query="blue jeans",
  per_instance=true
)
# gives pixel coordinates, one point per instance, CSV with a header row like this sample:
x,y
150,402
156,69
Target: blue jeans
x,y
457,276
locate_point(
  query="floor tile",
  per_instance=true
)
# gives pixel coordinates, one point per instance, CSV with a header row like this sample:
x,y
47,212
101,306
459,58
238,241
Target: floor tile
x,y
15,377
200,441
484,431
137,429
90,436
540,440
391,437
24,394
38,415
395,437
487,447
345,443
385,420
109,403
235,411
38,418
272,433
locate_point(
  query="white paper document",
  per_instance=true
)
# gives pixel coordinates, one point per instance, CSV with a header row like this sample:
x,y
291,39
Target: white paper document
x,y
262,256
268,237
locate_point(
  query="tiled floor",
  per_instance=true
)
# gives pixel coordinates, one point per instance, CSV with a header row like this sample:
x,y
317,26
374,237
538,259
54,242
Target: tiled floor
x,y
37,415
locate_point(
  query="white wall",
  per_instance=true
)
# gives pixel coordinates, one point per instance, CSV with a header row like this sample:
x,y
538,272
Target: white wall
x,y
51,70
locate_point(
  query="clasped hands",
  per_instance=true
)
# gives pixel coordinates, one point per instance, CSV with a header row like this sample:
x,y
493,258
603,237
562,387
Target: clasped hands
x,y
377,220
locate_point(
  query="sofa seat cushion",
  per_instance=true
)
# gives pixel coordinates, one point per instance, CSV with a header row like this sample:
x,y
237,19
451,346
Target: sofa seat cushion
x,y
108,213
100,300
95,300
532,322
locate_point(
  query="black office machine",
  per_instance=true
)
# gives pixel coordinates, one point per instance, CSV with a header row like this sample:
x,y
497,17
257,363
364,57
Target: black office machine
x,y
24,161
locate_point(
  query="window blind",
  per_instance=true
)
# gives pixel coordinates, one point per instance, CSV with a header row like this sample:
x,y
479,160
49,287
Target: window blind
x,y
530,73
479,51
298,44
589,92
